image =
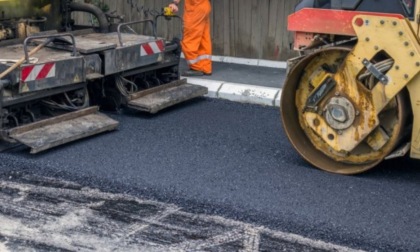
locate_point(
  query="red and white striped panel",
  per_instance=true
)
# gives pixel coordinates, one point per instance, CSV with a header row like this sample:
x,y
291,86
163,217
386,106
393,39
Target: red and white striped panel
x,y
38,72
152,48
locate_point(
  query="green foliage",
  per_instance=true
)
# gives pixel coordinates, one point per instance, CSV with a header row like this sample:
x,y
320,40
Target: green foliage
x,y
103,6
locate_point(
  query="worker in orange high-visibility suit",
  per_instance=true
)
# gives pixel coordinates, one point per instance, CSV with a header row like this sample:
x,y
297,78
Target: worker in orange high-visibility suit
x,y
196,42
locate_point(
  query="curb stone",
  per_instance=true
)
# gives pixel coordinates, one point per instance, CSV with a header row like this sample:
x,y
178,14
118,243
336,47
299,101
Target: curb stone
x,y
239,92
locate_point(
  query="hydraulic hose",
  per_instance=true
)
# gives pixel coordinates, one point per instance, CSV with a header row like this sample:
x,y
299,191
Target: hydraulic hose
x,y
94,10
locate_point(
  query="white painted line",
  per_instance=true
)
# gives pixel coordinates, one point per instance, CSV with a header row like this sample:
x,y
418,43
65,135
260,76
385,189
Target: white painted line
x,y
138,227
73,229
3,247
202,245
316,244
252,239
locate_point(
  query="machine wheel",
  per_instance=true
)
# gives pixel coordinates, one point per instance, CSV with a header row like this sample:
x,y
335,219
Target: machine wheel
x,y
296,91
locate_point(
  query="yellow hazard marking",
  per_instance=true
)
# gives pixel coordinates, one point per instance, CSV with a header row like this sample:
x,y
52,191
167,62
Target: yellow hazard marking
x,y
76,78
25,87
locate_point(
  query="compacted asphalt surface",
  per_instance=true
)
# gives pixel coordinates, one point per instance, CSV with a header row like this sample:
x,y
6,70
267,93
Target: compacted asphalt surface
x,y
233,160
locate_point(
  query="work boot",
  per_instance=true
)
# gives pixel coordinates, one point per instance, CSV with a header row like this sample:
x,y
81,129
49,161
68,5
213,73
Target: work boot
x,y
191,72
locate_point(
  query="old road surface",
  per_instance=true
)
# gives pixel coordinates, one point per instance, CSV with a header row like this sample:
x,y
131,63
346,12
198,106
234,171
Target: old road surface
x,y
209,175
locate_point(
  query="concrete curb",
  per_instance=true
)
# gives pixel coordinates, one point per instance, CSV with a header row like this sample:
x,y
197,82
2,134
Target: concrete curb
x,y
239,92
249,62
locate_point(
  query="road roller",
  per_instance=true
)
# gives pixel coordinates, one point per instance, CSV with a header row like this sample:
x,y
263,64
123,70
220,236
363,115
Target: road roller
x,y
351,98
56,73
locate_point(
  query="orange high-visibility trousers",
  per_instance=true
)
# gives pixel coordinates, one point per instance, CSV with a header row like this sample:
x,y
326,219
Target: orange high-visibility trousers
x,y
196,43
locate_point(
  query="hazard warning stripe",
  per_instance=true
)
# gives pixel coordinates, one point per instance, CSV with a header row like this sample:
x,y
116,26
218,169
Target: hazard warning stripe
x,y
152,48
38,72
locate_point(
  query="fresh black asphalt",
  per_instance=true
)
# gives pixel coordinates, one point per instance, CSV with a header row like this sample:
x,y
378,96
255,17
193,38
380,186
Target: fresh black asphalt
x,y
230,159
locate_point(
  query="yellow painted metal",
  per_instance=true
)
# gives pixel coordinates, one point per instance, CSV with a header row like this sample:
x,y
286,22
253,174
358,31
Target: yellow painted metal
x,y
167,12
330,141
377,139
382,109
392,36
302,123
399,40
414,90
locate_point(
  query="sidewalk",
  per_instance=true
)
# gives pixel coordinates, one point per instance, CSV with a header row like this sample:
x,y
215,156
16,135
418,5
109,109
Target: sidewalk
x,y
248,81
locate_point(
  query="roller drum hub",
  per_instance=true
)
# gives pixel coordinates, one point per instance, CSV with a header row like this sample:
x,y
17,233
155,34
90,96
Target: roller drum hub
x,y
340,113
322,111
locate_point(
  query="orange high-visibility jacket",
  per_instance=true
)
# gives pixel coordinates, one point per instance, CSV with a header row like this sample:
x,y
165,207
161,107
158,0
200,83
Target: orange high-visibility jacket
x,y
196,43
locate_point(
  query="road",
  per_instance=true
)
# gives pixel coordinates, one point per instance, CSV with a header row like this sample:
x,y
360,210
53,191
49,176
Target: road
x,y
218,158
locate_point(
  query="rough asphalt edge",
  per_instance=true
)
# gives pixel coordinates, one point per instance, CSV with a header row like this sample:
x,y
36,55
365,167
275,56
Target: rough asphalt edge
x,y
245,93
70,190
241,92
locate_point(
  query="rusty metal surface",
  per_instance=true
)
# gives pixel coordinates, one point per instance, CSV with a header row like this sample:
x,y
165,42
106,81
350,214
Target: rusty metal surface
x,y
129,39
383,104
414,90
156,89
66,72
166,97
377,35
123,58
308,130
67,69
10,101
116,58
45,134
85,44
329,21
128,57
42,56
395,37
